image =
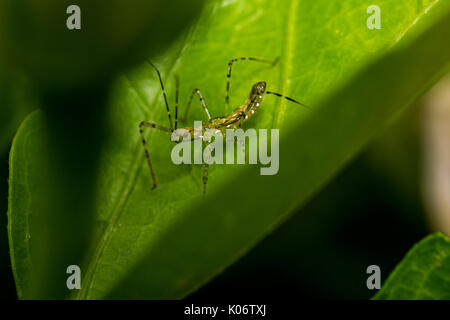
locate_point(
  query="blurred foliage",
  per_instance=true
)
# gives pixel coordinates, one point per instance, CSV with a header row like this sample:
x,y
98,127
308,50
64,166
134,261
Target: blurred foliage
x,y
114,34
423,273
71,71
167,243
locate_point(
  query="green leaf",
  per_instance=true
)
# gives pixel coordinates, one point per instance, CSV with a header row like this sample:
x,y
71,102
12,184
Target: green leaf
x,y
73,77
424,273
22,185
167,242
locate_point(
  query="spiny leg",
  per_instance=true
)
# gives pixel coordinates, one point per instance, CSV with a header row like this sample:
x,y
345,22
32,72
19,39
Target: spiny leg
x,y
230,64
196,91
144,143
164,93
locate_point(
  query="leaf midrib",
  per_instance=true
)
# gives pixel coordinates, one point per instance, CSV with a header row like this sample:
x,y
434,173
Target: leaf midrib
x,y
287,62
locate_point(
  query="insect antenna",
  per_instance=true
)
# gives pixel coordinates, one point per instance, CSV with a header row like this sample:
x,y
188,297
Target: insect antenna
x,y
287,98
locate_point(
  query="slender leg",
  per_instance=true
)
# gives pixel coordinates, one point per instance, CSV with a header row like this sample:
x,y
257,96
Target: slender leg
x,y
177,85
144,143
196,91
230,64
164,94
205,176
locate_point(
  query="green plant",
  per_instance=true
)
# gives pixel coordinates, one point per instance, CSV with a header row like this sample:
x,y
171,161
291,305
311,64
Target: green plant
x,y
167,243
423,273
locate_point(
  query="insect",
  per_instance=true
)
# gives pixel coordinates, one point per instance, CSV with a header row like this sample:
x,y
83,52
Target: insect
x,y
231,121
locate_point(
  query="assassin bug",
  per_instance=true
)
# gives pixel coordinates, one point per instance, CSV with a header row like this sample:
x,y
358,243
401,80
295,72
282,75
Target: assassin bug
x,y
231,121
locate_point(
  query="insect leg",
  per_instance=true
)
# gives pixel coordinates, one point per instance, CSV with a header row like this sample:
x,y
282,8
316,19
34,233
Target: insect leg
x,y
164,93
144,143
196,91
230,64
205,176
177,85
